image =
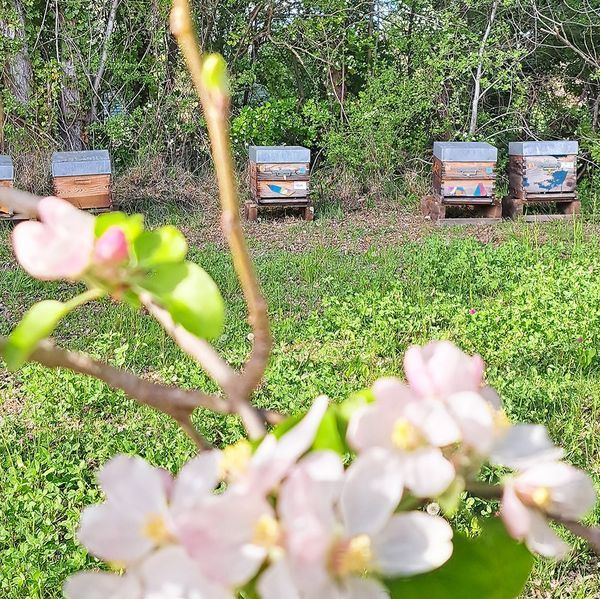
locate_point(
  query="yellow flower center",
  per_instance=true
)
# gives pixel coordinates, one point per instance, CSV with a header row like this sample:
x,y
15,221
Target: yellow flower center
x,y
501,421
541,497
354,556
155,528
235,460
406,436
267,532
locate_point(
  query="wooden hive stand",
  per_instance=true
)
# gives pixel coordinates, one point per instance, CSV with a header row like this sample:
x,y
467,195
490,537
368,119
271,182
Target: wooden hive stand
x,y
279,179
542,173
464,178
83,178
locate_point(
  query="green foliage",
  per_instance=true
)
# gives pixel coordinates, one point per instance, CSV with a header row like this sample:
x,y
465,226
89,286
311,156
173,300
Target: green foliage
x,y
189,295
37,324
163,245
491,565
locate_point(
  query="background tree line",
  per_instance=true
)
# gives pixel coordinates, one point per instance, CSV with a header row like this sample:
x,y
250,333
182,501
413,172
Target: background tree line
x,y
367,84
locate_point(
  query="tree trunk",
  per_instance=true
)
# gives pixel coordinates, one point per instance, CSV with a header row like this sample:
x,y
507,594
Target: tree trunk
x,y
479,72
110,24
19,72
70,107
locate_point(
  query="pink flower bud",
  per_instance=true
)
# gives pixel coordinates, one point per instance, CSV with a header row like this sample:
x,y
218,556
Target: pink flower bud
x,y
472,311
111,247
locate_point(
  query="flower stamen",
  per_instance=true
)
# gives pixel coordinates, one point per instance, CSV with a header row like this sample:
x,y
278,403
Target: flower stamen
x,y
235,460
406,436
354,556
155,528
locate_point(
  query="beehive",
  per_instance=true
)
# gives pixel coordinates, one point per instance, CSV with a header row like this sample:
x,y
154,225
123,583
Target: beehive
x,y
542,172
464,170
543,167
83,178
7,176
279,174
464,175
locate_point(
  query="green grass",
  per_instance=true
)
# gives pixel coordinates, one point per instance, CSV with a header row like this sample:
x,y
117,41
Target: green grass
x,y
339,321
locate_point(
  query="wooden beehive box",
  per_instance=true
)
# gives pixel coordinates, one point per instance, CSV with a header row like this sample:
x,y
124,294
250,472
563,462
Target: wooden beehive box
x,y
543,168
83,178
279,174
7,177
464,172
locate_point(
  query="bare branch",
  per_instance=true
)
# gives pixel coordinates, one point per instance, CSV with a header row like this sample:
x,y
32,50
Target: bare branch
x,y
19,202
177,403
216,112
199,349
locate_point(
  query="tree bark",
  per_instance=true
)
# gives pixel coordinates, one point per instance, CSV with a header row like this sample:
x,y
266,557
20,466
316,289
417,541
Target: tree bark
x,y
19,72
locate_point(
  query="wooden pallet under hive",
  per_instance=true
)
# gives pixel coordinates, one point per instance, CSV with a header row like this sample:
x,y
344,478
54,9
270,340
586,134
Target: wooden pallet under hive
x,y
542,173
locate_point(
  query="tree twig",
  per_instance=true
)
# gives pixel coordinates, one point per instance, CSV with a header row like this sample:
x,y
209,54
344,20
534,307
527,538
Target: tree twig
x,y
177,403
19,202
215,104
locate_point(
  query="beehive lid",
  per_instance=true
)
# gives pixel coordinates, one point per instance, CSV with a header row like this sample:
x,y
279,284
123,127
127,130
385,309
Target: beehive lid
x,y
278,154
561,147
464,151
7,172
89,162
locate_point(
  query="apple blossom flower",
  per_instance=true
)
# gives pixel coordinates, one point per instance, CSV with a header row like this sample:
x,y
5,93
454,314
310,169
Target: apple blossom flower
x,y
340,531
167,574
262,471
439,369
232,534
59,245
141,501
547,489
411,431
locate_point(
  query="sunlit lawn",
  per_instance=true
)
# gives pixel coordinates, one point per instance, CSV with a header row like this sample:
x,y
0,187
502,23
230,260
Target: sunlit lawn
x,y
339,320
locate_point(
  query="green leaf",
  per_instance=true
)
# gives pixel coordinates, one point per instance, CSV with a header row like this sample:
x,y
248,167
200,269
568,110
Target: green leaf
x,y
449,500
131,225
190,296
161,246
329,436
492,565
37,324
354,402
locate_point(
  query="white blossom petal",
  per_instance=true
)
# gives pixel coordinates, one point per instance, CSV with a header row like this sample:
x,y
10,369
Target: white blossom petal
x,y
102,585
524,445
131,484
276,582
113,534
427,473
515,515
365,588
196,480
371,492
412,543
543,540
475,418
434,421
171,573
